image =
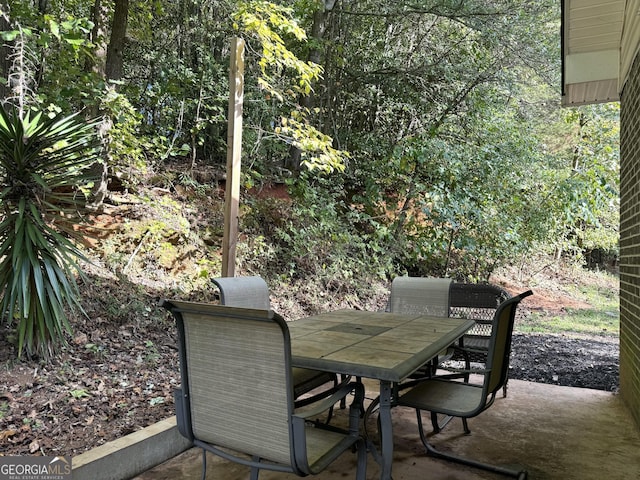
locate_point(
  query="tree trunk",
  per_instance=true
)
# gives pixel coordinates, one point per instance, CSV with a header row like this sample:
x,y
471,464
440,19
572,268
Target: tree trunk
x,y
113,68
112,71
99,17
315,55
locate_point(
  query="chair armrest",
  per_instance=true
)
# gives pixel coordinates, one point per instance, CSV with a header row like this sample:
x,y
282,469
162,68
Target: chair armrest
x,y
326,403
183,417
470,349
467,371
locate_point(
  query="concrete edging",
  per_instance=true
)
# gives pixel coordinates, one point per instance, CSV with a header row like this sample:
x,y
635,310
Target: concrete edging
x,y
131,455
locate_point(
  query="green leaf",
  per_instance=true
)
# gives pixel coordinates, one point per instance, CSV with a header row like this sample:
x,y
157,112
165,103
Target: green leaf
x,y
9,36
75,41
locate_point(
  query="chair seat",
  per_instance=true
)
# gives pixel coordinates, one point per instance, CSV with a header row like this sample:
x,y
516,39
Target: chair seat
x,y
322,447
476,342
442,396
474,349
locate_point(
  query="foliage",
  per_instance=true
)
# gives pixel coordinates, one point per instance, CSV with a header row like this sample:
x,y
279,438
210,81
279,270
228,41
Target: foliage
x,y
578,185
317,240
415,136
265,19
317,152
44,165
49,54
284,77
595,184
125,145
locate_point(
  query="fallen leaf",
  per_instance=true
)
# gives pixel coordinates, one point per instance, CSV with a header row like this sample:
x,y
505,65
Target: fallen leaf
x,y
34,446
7,434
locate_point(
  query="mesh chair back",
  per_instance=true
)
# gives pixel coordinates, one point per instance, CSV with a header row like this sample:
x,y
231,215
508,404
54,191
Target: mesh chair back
x,y
476,301
500,343
253,292
248,292
423,295
236,364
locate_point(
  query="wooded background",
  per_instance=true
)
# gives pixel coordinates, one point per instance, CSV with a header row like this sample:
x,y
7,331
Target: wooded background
x,y
421,137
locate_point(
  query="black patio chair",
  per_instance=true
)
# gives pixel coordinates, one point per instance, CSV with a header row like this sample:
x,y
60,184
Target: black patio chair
x,y
478,302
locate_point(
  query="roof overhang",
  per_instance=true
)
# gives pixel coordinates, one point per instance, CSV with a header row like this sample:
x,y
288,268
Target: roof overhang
x,y
592,33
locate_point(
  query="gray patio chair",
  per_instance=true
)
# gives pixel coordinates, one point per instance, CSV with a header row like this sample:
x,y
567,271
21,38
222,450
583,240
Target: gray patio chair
x,y
253,292
422,295
442,297
464,399
417,295
425,295
236,397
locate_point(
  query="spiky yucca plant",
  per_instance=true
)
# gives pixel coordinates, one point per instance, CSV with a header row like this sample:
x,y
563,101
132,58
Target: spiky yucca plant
x,y
44,169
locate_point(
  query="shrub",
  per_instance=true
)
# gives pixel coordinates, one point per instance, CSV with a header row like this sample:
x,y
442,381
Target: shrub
x,y
44,166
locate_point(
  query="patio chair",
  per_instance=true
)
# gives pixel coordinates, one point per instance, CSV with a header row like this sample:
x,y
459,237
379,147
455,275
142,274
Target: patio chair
x,y
417,295
236,397
425,295
253,292
478,302
464,399
422,295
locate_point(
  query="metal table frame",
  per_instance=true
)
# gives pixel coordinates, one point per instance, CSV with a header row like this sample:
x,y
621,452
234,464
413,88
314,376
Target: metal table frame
x,y
387,347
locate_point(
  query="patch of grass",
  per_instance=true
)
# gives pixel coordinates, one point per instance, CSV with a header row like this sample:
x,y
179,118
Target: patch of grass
x,y
598,296
582,321
603,318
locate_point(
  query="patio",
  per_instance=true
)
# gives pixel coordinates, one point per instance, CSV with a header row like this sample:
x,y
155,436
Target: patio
x,y
554,432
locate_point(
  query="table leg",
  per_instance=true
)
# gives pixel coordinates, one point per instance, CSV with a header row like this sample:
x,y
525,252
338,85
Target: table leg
x,y
386,432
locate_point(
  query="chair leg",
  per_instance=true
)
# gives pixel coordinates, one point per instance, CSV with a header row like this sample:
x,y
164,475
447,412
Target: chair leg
x,y
465,425
255,471
343,379
437,425
204,464
434,422
431,450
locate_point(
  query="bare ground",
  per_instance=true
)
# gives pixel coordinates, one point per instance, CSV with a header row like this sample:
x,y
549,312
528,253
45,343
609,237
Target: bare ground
x,y
117,374
587,362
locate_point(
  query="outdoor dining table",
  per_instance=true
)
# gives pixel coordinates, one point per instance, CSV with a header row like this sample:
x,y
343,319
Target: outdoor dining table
x,y
387,347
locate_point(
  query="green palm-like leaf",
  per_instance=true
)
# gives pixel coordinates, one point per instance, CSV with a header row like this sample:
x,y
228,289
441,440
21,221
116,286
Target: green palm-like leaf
x,y
44,162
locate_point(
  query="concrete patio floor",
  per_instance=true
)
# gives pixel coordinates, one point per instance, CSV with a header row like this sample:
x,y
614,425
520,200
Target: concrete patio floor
x,y
553,432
